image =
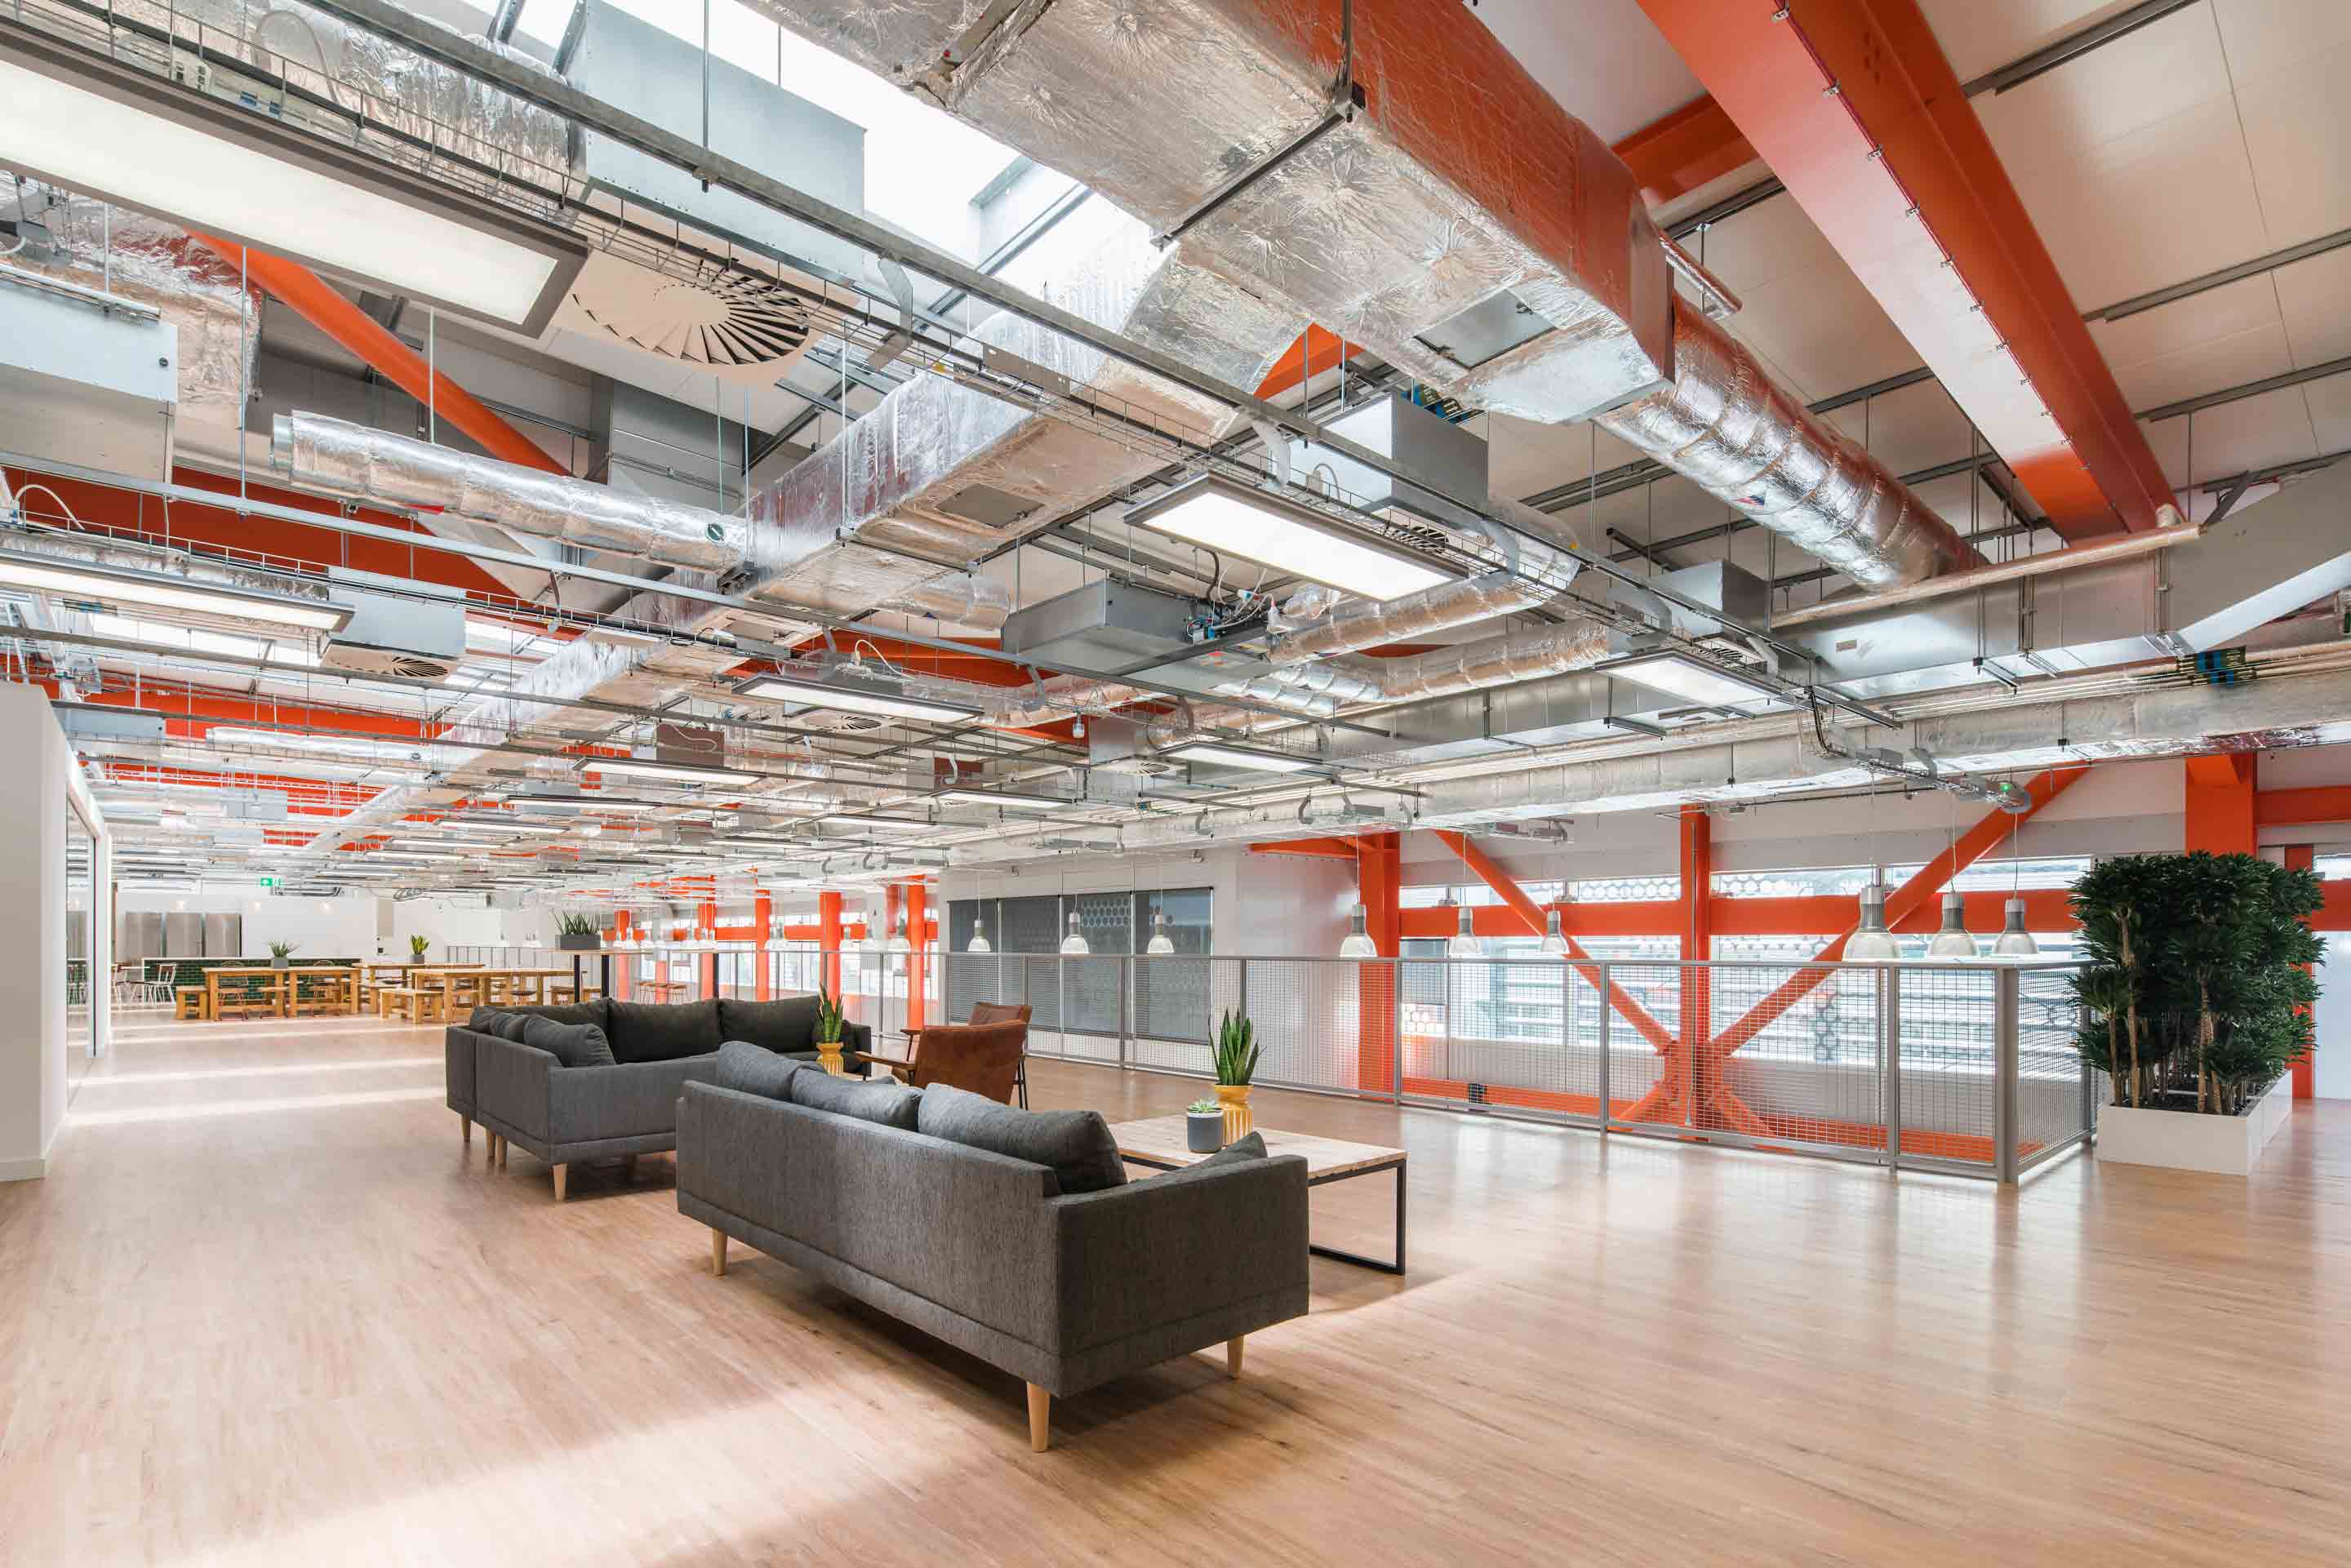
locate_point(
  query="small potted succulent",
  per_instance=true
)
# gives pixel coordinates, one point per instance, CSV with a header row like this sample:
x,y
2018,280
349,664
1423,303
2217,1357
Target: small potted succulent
x,y
829,1030
280,951
1236,1052
577,934
1204,1126
417,946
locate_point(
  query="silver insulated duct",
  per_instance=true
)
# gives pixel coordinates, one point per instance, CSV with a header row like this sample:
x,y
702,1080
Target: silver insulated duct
x,y
1455,218
1750,442
368,465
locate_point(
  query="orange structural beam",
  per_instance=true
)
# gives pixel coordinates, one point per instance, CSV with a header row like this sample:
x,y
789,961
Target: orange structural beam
x,y
1912,895
828,937
316,300
1529,920
1315,352
2297,807
1693,145
1857,112
2223,799
1379,874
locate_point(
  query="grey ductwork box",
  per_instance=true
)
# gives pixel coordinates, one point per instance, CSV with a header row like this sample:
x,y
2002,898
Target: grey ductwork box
x,y
1424,444
1102,627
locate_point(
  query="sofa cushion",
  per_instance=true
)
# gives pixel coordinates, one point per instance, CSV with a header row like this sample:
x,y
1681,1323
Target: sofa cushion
x,y
511,1026
485,1020
659,1031
1250,1149
569,1012
890,1104
571,1044
756,1070
1077,1144
788,1023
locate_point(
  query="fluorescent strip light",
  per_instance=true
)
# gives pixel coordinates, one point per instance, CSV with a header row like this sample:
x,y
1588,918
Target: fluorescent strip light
x,y
680,772
112,130
818,693
1240,757
119,585
867,819
1262,527
481,825
1692,680
994,797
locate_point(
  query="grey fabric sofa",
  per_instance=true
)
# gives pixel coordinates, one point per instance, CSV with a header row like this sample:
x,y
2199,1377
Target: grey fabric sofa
x,y
984,1251
525,1097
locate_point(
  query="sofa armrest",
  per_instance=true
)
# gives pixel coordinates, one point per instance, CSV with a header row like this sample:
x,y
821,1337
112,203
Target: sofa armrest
x,y
626,1099
459,1047
1178,1246
512,1083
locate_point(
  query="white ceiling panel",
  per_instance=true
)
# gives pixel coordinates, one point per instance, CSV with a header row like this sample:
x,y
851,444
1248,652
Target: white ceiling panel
x,y
2330,413
1823,332
2184,324
2130,84
2267,36
2315,298
2298,129
1611,68
1525,457
2252,432
2251,355
1979,35
1913,428
2143,211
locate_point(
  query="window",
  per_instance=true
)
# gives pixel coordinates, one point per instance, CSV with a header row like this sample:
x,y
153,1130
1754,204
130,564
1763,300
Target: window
x,y
1986,875
1170,995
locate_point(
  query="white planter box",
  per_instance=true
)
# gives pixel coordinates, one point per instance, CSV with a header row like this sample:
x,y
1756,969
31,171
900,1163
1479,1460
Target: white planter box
x,y
2225,1145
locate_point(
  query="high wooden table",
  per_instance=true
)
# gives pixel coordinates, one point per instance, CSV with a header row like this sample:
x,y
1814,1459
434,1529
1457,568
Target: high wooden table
x,y
279,987
1157,1143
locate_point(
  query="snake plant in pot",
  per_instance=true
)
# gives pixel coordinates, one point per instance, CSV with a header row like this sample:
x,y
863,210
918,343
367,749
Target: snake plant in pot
x,y
830,1027
417,946
1236,1052
577,934
2196,1000
280,953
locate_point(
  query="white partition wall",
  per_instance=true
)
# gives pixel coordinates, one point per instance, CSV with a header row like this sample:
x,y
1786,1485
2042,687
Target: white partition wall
x,y
36,797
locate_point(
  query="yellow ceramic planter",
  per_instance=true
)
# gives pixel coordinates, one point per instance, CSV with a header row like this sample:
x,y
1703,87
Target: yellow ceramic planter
x,y
1234,1098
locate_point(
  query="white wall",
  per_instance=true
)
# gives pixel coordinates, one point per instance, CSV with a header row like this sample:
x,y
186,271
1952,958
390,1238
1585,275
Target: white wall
x,y
318,928
33,795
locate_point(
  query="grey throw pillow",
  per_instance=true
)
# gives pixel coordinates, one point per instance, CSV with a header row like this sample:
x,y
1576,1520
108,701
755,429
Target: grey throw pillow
x,y
485,1020
1250,1149
890,1104
510,1026
571,1044
1076,1144
756,1070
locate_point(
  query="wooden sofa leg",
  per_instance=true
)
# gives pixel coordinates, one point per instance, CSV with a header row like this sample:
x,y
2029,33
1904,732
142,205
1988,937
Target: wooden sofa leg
x,y
502,1150
561,1173
1233,1354
1041,1419
718,1251
465,1124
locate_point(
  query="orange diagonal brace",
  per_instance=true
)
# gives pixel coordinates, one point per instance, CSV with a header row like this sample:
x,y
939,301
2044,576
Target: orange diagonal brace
x,y
1674,156
1495,877
1912,894
310,296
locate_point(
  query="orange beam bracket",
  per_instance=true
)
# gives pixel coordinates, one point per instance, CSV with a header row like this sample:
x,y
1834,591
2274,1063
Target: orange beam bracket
x,y
1319,849
1693,145
2223,801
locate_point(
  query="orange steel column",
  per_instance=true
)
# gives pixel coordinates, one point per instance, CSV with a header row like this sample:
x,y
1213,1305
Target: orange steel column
x,y
828,938
2302,857
763,919
311,298
1379,875
918,970
706,918
625,970
1857,110
2220,808
1698,1083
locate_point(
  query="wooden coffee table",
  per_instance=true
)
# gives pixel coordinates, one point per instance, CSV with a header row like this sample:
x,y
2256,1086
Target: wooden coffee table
x,y
1157,1142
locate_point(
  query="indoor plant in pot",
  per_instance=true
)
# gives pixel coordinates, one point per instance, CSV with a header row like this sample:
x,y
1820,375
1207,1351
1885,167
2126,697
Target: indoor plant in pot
x,y
1237,1051
829,1026
279,952
1204,1126
577,934
2196,1002
417,946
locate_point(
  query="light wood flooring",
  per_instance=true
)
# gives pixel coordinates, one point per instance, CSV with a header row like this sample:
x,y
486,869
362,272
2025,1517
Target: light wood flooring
x,y
267,1310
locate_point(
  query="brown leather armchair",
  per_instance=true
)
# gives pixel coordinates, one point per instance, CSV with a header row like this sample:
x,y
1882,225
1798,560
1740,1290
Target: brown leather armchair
x,y
987,1055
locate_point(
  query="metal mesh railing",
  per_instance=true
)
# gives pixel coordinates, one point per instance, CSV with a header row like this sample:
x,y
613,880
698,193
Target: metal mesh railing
x,y
1965,1067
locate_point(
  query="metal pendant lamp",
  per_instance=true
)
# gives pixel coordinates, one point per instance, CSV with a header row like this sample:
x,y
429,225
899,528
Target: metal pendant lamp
x,y
1073,946
899,942
1554,940
1873,944
1463,942
1953,941
2014,941
1357,943
1160,943
979,943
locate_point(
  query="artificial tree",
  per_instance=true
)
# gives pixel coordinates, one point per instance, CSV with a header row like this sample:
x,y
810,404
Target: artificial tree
x,y
2198,990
